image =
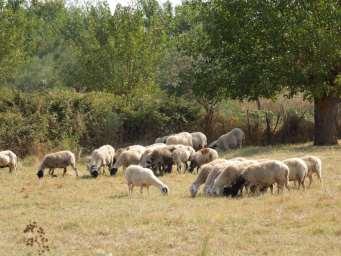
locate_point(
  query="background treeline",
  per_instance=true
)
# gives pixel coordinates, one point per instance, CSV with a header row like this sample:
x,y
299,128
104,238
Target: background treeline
x,y
81,76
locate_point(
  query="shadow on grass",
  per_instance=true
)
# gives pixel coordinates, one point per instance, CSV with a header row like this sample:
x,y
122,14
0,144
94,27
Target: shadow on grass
x,y
86,177
119,196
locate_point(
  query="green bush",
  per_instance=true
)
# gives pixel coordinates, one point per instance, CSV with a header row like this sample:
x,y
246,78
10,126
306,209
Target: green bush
x,y
38,122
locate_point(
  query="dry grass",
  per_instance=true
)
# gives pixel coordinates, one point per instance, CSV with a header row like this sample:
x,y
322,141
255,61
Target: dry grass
x,y
83,216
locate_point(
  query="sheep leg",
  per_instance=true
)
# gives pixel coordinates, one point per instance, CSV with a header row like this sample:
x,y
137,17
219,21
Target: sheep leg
x,y
178,167
186,167
280,187
310,180
51,172
65,170
287,186
272,189
303,186
247,189
319,177
75,169
130,189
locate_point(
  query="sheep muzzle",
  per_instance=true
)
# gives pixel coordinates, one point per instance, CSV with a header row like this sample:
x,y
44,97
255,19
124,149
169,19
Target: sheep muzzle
x,y
94,174
40,174
113,171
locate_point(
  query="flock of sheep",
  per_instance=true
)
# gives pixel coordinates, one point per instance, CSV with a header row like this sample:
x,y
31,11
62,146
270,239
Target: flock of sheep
x,y
187,151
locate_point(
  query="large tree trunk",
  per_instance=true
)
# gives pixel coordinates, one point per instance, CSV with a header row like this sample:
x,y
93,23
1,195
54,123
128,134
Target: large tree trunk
x,y
209,122
325,115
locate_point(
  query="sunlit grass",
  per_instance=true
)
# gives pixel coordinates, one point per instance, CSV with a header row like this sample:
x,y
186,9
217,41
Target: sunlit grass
x,y
84,216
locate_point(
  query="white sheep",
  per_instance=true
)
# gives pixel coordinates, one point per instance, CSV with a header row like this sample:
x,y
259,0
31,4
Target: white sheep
x,y
202,176
214,173
5,161
181,156
202,156
183,138
298,170
143,177
266,174
229,176
119,151
101,158
314,166
126,158
199,140
61,159
11,161
230,140
137,148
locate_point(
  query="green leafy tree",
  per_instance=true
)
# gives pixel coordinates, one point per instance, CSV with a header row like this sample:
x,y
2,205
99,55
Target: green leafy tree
x,y
270,47
12,24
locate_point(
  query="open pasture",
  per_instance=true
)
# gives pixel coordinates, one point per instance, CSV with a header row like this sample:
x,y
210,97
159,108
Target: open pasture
x,y
86,216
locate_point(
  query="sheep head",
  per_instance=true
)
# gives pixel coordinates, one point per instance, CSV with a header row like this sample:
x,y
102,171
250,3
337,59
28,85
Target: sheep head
x,y
193,190
113,171
164,190
40,174
94,171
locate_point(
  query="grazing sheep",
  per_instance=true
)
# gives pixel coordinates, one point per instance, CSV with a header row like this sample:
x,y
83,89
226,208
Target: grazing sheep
x,y
146,156
161,160
126,158
162,139
156,145
181,156
199,140
266,173
234,189
298,170
143,177
183,138
214,173
101,157
61,159
202,176
230,140
8,159
314,166
138,148
202,156
228,177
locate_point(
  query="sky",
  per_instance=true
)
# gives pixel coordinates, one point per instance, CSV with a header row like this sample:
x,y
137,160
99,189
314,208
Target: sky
x,y
113,3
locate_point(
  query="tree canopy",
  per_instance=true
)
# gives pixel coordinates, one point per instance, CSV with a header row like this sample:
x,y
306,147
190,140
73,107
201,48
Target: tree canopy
x,y
203,50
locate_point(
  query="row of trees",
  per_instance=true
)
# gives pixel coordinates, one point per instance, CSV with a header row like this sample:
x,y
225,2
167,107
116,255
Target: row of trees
x,y
202,50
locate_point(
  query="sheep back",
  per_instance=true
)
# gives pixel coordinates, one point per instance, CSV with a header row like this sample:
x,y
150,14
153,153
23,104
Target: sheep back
x,y
183,138
199,140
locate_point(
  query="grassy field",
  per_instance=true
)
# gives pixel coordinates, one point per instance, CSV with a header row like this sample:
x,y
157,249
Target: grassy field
x,y
84,216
